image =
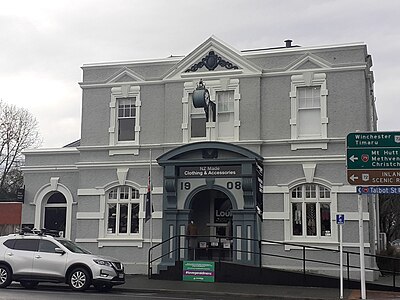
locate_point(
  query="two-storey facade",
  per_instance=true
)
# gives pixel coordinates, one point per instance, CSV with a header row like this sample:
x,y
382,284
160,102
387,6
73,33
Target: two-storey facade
x,y
276,118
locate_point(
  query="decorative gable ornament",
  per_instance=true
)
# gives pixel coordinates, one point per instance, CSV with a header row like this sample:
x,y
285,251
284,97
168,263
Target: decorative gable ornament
x,y
211,62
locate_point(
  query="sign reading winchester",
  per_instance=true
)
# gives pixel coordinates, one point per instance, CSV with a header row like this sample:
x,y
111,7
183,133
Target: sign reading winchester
x,y
210,171
373,158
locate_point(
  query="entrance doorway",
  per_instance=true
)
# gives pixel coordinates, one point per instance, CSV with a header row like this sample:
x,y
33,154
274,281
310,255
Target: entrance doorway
x,y
55,213
211,212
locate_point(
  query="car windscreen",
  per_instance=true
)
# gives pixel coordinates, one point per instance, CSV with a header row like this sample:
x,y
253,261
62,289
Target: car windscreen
x,y
73,247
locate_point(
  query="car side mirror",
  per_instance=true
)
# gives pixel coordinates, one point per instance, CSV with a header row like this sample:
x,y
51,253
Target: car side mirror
x,y
59,251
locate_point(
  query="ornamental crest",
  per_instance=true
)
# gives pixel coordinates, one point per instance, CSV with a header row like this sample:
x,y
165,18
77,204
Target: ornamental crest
x,y
211,62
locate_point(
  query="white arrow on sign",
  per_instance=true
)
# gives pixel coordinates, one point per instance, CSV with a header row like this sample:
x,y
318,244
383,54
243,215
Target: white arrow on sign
x,y
353,158
353,177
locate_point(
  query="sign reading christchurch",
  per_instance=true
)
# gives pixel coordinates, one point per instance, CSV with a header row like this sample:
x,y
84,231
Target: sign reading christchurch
x,y
209,171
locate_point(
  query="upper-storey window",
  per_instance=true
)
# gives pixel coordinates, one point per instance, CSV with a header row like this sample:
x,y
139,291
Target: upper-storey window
x,y
309,112
126,119
225,114
197,121
225,94
309,120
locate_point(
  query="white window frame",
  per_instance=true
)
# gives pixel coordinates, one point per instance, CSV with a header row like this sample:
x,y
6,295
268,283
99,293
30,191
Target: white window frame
x,y
308,79
213,86
317,200
123,92
131,200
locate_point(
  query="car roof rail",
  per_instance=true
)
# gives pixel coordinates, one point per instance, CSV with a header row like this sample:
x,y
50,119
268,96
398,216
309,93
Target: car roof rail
x,y
39,232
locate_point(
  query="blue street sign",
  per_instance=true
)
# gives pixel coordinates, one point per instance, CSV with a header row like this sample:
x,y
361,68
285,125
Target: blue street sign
x,y
340,219
378,190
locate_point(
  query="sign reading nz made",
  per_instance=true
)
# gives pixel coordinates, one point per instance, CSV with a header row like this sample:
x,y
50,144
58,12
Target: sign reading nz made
x,y
373,158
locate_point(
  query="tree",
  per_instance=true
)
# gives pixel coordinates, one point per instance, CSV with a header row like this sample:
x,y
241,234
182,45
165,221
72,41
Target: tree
x,y
18,131
389,208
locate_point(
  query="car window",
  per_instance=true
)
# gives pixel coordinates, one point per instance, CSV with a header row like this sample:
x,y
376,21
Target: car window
x,y
9,243
26,244
47,246
73,247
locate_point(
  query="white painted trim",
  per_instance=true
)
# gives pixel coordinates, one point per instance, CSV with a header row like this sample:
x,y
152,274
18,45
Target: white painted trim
x,y
123,152
353,216
90,192
213,86
44,168
267,189
308,79
47,151
41,198
89,215
85,240
299,146
118,242
121,92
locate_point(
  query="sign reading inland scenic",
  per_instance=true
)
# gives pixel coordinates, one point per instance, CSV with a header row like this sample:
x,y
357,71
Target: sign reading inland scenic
x,y
373,158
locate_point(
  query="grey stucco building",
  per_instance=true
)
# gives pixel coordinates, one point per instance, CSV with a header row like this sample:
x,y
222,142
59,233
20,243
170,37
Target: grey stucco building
x,y
284,111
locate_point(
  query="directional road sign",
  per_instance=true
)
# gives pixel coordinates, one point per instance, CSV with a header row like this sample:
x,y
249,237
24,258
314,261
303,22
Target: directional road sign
x,y
373,158
378,190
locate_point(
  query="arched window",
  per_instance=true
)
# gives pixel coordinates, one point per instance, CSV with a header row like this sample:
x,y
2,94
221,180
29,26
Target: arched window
x,y
122,211
311,211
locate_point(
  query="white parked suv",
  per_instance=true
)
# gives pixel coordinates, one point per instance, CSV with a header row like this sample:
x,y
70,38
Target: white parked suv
x,y
34,258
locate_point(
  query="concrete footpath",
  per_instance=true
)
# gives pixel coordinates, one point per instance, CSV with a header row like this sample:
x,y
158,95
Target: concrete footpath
x,y
140,283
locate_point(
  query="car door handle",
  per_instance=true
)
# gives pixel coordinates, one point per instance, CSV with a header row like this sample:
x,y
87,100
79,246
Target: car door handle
x,y
38,256
10,254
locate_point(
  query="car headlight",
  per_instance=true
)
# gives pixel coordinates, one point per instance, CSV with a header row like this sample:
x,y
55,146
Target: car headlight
x,y
102,262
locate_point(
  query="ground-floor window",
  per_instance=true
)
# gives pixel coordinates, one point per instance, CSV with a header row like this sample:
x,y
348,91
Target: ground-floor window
x,y
122,211
311,211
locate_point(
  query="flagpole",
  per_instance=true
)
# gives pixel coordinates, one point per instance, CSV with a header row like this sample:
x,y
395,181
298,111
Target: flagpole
x,y
151,205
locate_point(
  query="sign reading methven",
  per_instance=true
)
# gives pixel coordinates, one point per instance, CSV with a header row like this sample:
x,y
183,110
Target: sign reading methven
x,y
210,171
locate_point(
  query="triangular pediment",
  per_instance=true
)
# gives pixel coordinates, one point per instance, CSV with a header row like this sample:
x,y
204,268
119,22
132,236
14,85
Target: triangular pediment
x,y
211,57
124,75
309,62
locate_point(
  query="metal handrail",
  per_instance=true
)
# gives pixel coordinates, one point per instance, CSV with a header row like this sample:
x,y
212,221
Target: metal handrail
x,y
394,260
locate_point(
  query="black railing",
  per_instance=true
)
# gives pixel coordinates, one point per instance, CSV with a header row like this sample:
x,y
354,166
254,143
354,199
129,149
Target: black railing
x,y
386,265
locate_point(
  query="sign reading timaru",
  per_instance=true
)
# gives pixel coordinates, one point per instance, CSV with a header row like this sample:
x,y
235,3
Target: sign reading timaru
x,y
210,171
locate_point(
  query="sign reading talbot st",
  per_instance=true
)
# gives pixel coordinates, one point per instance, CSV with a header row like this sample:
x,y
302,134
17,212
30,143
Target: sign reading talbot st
x,y
373,158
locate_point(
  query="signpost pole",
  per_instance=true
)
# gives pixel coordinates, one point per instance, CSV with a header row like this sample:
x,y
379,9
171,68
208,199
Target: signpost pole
x,y
361,233
341,259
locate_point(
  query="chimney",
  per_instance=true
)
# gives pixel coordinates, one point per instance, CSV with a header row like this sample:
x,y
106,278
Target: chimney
x,y
288,43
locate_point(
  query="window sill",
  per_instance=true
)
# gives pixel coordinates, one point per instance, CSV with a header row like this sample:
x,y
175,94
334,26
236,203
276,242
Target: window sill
x,y
308,144
130,148
118,241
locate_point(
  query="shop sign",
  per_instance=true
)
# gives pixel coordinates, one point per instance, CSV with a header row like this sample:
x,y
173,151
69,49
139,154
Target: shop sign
x,y
203,271
209,171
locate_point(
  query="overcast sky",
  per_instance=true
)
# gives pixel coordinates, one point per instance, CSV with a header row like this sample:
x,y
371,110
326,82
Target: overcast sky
x,y
45,42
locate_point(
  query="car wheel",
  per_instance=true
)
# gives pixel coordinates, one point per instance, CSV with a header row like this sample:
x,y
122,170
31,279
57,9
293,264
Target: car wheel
x,y
102,287
79,279
29,284
5,276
